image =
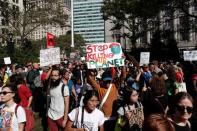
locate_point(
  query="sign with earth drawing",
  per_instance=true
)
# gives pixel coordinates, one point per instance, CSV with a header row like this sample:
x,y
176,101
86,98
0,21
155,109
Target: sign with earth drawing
x,y
104,55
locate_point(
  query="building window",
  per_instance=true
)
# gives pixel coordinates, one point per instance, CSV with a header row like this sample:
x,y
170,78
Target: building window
x,y
184,28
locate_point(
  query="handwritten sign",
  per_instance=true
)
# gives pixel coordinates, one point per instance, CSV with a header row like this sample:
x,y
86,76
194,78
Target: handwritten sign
x,y
50,56
190,55
7,60
104,55
144,58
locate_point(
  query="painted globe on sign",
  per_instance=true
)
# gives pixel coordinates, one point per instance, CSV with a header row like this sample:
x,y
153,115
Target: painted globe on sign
x,y
115,48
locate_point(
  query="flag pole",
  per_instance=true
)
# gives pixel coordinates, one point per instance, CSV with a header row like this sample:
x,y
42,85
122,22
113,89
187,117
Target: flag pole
x,y
72,27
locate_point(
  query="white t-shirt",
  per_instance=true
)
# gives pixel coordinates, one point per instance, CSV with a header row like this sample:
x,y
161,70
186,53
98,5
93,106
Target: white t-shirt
x,y
56,108
91,120
9,120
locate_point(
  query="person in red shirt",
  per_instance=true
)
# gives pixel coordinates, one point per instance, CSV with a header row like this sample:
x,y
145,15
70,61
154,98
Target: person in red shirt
x,y
24,93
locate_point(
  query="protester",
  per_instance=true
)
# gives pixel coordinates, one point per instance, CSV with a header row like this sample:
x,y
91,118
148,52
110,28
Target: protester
x,y
11,119
131,114
106,86
72,92
183,108
87,117
59,101
24,92
3,75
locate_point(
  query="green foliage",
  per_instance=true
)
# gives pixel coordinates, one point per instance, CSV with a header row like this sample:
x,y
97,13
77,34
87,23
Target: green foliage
x,y
34,14
133,15
64,42
22,56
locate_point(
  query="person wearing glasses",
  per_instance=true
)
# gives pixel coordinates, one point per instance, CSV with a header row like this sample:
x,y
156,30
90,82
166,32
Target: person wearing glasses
x,y
183,108
87,117
12,118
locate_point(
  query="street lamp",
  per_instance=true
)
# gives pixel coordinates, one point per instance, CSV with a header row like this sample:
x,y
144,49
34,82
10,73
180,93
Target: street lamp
x,y
72,26
10,44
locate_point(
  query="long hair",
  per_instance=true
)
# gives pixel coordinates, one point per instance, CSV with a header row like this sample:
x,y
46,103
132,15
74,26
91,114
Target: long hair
x,y
157,122
88,95
176,99
14,89
158,86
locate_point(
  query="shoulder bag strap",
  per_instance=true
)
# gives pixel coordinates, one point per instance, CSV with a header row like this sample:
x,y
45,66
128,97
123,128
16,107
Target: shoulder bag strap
x,y
76,117
15,110
106,96
82,117
63,89
157,100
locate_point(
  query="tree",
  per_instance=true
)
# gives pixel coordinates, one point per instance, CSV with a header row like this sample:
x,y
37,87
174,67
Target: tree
x,y
64,42
183,6
33,14
136,16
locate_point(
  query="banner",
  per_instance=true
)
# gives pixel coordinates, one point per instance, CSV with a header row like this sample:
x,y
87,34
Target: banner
x,y
50,40
190,55
50,56
104,55
144,58
7,60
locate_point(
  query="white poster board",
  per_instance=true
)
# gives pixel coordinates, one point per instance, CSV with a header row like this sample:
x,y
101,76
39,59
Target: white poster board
x,y
104,55
190,55
7,60
144,58
50,56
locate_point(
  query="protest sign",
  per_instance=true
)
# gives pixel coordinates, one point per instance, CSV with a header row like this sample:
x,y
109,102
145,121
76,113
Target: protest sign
x,y
104,55
144,58
50,56
73,55
7,60
190,55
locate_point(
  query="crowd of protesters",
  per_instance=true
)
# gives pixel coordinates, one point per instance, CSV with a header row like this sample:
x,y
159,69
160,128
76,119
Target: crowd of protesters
x,y
157,96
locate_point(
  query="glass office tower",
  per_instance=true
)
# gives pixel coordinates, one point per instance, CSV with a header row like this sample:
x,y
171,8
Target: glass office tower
x,y
88,20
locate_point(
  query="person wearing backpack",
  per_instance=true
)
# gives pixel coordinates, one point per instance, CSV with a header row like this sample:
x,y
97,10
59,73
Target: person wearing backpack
x,y
59,101
31,76
87,117
11,119
131,115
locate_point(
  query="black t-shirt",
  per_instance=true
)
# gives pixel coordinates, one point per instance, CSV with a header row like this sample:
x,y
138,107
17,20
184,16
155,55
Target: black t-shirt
x,y
181,128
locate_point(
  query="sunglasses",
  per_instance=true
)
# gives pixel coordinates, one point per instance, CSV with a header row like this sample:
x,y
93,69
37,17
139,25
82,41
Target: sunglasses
x,y
183,108
4,93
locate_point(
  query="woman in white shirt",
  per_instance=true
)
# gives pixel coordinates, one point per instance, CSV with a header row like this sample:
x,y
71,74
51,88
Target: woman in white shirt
x,y
88,117
11,117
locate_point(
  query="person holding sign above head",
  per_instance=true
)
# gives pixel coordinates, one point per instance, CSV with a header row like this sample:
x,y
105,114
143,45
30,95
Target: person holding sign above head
x,y
108,94
59,100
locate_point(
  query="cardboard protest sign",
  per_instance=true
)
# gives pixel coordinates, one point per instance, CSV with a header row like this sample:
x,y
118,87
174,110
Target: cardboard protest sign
x,y
50,56
190,55
144,58
104,55
73,55
7,60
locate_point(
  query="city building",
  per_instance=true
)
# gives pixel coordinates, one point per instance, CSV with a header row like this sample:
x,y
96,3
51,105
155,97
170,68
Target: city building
x,y
4,24
54,29
175,24
68,3
88,20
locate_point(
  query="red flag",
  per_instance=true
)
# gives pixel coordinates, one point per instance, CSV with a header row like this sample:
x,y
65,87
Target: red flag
x,y
50,40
